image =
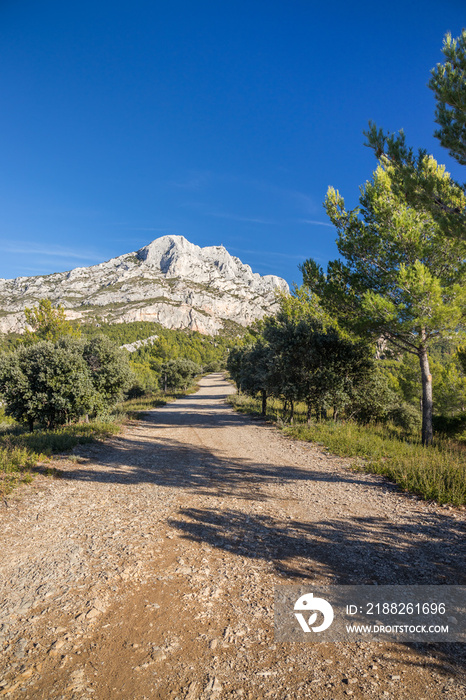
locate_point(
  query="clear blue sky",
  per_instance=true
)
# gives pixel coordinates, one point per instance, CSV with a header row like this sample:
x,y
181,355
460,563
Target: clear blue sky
x,y
225,122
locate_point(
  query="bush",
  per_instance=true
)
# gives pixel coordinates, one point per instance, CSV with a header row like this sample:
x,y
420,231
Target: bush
x,y
47,383
136,391
372,399
407,417
213,366
178,374
450,425
56,383
109,370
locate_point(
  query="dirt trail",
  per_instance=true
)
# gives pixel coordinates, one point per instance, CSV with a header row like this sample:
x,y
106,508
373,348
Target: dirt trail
x,y
148,569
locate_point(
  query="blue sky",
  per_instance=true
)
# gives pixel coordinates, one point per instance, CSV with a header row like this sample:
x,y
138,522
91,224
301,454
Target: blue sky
x,y
221,121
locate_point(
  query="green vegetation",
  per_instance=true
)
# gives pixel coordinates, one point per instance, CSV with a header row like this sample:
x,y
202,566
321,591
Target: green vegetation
x,y
24,453
48,322
72,385
393,282
45,385
208,353
301,355
448,82
179,373
16,464
323,384
134,407
57,383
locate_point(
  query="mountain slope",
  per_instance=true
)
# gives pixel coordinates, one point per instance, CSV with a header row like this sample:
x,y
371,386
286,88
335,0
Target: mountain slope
x,y
170,281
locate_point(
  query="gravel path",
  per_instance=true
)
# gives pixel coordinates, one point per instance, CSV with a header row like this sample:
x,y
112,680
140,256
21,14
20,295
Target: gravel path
x,y
148,569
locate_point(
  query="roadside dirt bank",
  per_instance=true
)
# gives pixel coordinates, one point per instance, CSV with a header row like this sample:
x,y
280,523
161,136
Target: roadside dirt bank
x,y
148,569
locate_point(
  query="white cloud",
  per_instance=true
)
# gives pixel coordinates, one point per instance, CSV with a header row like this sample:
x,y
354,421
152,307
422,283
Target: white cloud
x,y
315,223
54,251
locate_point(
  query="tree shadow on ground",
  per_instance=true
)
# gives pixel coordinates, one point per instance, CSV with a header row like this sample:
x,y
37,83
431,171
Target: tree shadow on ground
x,y
178,465
367,550
363,550
428,548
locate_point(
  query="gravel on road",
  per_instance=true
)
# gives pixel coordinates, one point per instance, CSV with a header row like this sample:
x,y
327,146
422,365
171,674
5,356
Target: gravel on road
x,y
147,570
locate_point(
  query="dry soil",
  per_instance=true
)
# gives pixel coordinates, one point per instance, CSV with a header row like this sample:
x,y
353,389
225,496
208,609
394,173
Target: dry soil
x,y
148,569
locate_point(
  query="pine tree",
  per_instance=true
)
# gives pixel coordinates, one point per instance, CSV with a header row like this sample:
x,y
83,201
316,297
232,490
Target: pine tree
x,y
448,82
401,278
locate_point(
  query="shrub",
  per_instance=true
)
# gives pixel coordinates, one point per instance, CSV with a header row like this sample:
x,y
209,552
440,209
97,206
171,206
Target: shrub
x,y
47,383
109,370
178,374
407,417
56,383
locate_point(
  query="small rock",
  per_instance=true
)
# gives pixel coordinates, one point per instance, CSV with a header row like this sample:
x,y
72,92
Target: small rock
x,y
192,691
26,674
10,688
56,646
92,614
158,655
214,687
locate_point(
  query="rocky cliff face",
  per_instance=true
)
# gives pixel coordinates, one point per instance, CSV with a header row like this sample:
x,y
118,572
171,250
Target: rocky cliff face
x,y
170,281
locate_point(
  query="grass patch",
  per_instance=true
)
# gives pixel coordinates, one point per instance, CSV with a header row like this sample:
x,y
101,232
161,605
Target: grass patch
x,y
48,442
21,452
16,464
134,408
436,473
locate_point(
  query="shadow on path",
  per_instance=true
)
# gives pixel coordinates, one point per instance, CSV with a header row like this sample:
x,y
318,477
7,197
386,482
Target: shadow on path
x,y
428,548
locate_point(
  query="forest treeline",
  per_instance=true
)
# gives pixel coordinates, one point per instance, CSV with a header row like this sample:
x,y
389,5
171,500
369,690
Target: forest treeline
x,y
169,357
301,355
59,372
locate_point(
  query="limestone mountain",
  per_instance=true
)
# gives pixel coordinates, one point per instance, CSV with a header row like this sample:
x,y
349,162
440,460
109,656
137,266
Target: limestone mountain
x,y
170,281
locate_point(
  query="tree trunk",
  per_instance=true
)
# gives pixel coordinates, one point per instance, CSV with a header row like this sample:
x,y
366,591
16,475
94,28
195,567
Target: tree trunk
x,y
284,409
427,432
291,419
264,402
309,413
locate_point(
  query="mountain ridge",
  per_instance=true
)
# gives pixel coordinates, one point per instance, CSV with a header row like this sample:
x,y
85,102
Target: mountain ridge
x,y
170,281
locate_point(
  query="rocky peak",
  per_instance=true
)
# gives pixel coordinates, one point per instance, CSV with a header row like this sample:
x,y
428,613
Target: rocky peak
x,y
166,252
175,256
171,281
